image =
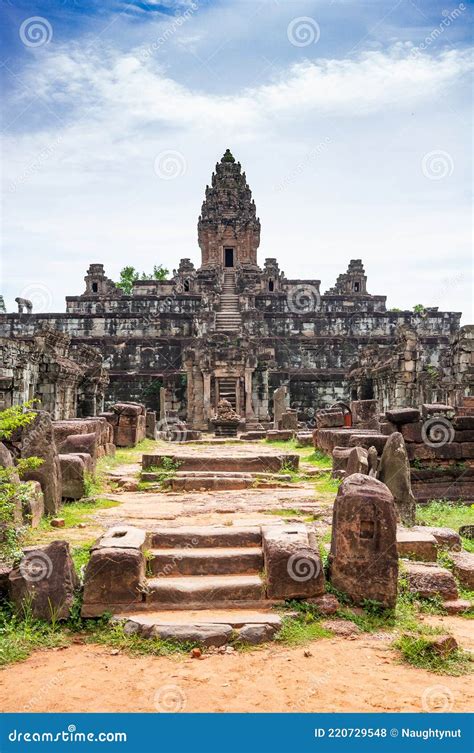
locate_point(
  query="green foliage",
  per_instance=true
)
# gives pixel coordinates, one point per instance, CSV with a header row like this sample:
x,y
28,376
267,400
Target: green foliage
x,y
419,309
326,484
129,275
15,418
79,512
112,634
93,483
418,651
19,636
447,514
319,458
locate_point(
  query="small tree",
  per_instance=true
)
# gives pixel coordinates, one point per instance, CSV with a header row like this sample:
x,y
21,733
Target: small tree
x,y
419,308
129,275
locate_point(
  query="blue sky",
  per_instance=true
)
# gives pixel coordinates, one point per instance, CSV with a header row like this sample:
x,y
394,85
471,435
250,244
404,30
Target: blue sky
x,y
351,119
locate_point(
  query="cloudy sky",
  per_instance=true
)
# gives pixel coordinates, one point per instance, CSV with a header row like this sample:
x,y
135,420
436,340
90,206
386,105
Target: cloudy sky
x,y
350,118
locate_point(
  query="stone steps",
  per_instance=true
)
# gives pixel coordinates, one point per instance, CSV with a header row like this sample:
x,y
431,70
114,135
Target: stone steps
x,y
228,318
206,537
267,463
206,561
192,592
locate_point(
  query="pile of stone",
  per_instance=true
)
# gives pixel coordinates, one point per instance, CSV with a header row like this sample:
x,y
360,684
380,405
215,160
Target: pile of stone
x,y
226,421
128,421
80,443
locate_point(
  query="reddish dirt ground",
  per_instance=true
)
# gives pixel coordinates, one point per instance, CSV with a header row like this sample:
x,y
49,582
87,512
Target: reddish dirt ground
x,y
345,675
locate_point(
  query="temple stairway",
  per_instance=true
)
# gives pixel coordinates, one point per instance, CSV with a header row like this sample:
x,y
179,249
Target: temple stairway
x,y
228,318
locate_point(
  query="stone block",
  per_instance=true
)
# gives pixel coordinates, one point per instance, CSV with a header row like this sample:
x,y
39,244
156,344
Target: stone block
x,y
37,440
365,414
293,565
416,545
128,409
363,561
329,418
114,579
466,451
204,635
387,428
437,409
446,538
394,471
73,476
357,461
369,440
429,580
44,582
340,458
327,604
254,634
463,423
289,421
121,537
304,439
151,424
463,568
400,416
412,432
32,504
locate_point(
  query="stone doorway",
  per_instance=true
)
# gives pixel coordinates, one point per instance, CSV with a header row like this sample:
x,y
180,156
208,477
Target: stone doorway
x,y
227,390
228,257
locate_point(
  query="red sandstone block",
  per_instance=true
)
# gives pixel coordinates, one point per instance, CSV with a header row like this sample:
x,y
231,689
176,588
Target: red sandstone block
x,y
467,450
412,432
463,423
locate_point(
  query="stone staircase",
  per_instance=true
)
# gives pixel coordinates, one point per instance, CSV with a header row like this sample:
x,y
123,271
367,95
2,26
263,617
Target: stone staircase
x,y
200,567
228,318
227,391
225,472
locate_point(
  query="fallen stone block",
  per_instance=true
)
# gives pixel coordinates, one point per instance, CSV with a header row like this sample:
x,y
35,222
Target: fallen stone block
x,y
363,561
326,418
80,443
32,501
255,634
326,604
412,432
430,580
416,545
44,582
401,416
293,565
457,606
394,471
205,635
369,440
446,538
357,461
73,476
463,568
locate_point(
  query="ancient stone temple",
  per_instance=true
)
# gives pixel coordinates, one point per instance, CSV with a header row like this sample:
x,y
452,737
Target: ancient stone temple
x,y
234,329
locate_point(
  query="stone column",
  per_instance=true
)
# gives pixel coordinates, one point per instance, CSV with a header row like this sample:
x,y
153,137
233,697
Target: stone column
x,y
249,411
206,375
163,399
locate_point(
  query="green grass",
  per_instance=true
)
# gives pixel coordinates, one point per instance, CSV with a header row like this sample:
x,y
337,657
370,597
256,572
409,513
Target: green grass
x,y
319,458
301,629
79,512
126,455
289,512
326,484
417,650
80,554
20,636
447,514
112,634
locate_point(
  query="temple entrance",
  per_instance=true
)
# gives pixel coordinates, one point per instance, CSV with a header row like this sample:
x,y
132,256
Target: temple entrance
x,y
227,390
228,257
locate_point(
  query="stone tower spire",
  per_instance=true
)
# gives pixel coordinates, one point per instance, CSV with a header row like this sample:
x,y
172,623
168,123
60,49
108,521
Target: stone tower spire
x,y
228,227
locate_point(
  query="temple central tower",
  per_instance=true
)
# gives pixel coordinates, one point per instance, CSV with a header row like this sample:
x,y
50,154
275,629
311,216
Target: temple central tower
x,y
228,227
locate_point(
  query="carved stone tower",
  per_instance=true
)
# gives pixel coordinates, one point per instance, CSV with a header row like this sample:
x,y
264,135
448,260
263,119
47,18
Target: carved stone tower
x,y
228,227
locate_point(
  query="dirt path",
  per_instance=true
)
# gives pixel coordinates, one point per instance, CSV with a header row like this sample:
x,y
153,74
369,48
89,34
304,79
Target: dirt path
x,y
343,675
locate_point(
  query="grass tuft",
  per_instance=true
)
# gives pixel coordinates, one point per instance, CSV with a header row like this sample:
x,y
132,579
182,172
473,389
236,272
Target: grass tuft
x,y
418,651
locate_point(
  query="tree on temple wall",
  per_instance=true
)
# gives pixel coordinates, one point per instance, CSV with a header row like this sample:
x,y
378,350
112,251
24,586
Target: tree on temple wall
x,y
129,275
